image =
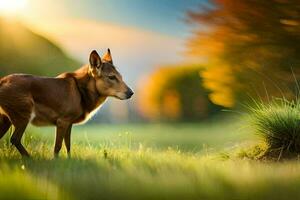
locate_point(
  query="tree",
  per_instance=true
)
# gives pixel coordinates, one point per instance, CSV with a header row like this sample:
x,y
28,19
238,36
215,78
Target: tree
x,y
252,46
175,94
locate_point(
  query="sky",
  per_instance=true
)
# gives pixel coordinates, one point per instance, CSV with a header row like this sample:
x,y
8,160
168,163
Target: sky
x,y
142,34
162,16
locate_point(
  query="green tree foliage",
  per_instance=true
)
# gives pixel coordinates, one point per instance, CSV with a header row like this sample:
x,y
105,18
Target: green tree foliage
x,y
256,42
23,51
176,94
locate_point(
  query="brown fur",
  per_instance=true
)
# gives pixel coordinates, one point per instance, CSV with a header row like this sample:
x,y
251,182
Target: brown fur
x,y
62,101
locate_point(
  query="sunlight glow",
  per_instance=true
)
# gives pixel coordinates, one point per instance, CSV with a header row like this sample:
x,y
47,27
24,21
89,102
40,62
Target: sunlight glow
x,y
11,7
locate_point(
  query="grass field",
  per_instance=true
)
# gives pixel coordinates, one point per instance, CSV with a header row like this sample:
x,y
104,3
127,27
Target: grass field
x,y
155,161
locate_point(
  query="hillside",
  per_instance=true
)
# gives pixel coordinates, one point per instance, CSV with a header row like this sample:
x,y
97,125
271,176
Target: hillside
x,y
23,51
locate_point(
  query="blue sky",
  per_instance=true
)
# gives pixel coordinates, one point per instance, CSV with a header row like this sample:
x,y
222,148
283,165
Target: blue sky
x,y
142,34
164,16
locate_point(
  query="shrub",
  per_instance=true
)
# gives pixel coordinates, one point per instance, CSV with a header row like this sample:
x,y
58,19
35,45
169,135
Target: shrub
x,y
278,125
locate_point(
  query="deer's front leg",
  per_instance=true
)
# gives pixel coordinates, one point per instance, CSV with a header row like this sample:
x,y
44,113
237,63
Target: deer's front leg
x,y
67,140
62,128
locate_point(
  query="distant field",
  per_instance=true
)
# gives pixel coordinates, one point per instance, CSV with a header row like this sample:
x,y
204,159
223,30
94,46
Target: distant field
x,y
155,161
186,137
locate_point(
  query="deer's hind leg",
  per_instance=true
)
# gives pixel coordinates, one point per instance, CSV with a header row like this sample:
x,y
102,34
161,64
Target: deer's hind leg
x,y
5,124
17,136
20,119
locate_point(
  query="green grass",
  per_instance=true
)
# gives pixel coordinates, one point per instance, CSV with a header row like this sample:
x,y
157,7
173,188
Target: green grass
x,y
186,137
149,162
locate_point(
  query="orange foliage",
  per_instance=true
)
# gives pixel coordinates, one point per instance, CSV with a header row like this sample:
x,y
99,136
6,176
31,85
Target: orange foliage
x,y
247,44
217,79
171,106
150,94
149,91
174,93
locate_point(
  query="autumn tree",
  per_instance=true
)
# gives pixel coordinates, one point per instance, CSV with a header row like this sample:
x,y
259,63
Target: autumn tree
x,y
175,93
252,48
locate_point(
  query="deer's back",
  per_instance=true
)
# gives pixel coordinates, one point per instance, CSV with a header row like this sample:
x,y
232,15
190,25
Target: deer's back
x,y
41,98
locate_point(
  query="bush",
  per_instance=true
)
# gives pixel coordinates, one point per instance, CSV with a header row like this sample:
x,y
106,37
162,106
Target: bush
x,y
278,125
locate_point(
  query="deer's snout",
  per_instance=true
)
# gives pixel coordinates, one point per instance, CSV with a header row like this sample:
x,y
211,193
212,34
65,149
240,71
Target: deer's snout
x,y
129,93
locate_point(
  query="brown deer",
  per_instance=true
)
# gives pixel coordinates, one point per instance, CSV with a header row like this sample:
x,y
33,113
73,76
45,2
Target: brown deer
x,y
67,99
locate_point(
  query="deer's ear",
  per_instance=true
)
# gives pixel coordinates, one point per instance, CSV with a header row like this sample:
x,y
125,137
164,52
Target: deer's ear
x,y
95,64
107,57
95,60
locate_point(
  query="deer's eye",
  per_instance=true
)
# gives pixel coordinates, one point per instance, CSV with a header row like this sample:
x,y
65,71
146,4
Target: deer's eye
x,y
112,77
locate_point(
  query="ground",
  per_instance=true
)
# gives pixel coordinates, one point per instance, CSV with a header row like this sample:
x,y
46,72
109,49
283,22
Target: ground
x,y
153,161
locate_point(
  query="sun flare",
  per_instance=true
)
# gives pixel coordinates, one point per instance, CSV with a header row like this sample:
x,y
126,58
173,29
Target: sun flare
x,y
10,7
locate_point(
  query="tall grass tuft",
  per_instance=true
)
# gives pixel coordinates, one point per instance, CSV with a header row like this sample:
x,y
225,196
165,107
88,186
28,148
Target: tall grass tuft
x,y
278,124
